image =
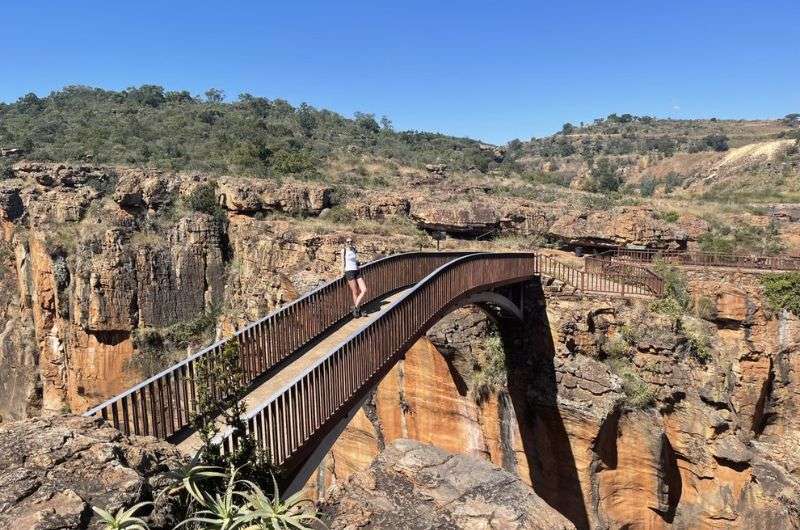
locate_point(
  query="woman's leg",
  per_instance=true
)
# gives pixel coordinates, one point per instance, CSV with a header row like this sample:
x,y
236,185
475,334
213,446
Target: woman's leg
x,y
362,286
353,284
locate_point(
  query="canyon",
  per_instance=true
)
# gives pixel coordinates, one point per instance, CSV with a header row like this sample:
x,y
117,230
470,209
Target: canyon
x,y
618,416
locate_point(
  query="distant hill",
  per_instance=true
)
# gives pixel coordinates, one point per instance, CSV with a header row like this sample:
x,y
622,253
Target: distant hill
x,y
253,136
149,126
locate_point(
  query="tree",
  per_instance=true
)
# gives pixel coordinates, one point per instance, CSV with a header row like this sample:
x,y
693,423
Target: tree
x,y
717,142
386,123
306,119
604,176
367,122
214,95
149,95
792,119
567,128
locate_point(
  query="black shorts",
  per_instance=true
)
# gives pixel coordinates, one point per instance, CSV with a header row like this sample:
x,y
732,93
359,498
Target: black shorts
x,y
352,275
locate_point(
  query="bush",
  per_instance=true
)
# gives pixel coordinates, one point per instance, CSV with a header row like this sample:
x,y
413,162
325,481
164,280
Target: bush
x,y
203,199
488,369
603,177
698,339
676,295
647,187
286,162
717,142
638,393
615,347
705,308
782,291
670,217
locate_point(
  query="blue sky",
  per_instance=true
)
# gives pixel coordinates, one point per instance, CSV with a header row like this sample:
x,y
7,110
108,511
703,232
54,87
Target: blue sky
x,y
489,70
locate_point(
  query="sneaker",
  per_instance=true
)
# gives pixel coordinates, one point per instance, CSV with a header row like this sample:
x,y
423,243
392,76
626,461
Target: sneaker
x,y
356,312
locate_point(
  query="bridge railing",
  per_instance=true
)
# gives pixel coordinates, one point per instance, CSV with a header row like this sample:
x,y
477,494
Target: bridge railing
x,y
603,276
165,403
322,394
704,259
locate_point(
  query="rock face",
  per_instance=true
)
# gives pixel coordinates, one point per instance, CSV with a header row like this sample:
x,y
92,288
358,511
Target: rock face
x,y
94,259
413,485
618,227
52,471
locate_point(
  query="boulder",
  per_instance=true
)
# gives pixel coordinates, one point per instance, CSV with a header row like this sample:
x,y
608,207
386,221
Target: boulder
x,y
414,485
11,206
470,219
53,470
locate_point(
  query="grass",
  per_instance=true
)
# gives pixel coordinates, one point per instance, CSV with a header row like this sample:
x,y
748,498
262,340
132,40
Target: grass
x,y
639,394
488,369
698,339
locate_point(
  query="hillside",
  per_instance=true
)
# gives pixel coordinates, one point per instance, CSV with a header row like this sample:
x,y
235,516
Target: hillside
x,y
148,126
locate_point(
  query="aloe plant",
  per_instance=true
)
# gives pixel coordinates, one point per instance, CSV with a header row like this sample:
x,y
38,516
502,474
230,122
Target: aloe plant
x,y
189,477
221,511
123,519
274,514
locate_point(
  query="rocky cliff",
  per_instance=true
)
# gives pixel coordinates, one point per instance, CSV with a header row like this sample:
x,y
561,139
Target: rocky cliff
x,y
618,417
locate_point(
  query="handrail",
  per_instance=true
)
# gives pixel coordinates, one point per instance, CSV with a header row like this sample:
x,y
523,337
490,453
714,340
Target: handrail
x,y
599,277
312,401
164,404
708,259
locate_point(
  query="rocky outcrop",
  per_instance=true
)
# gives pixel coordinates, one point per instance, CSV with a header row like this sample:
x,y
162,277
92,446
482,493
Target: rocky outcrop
x,y
620,226
253,195
52,471
412,485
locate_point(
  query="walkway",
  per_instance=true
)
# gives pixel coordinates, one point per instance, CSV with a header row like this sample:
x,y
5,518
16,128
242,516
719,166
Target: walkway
x,y
272,387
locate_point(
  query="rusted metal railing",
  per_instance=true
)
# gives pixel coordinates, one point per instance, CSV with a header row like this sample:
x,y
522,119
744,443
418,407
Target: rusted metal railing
x,y
603,276
288,422
165,403
704,259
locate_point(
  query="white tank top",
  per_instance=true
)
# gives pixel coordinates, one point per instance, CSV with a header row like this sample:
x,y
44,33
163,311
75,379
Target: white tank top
x,y
350,259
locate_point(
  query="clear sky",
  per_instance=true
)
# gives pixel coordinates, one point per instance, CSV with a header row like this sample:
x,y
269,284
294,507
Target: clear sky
x,y
489,70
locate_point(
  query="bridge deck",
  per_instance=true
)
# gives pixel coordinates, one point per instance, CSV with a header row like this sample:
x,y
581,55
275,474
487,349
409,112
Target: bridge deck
x,y
272,386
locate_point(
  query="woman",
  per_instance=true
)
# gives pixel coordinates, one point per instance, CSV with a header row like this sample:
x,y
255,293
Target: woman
x,y
353,276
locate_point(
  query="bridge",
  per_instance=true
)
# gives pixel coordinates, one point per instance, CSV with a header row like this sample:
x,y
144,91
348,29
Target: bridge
x,y
308,366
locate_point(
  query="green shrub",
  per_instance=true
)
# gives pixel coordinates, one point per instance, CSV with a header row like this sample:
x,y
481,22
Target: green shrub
x,y
698,339
705,307
782,291
670,216
638,393
286,162
647,187
203,199
488,369
340,215
616,346
603,177
676,295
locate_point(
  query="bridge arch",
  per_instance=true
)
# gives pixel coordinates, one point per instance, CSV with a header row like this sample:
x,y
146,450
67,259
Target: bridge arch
x,y
497,304
302,418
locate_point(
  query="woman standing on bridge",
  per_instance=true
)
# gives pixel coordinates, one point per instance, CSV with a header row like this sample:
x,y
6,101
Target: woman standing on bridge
x,y
358,288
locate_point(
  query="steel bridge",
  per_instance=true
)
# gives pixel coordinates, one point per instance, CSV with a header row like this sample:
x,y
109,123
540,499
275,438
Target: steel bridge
x,y
308,366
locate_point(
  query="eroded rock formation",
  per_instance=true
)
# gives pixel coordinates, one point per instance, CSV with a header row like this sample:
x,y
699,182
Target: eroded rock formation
x,y
413,485
53,470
